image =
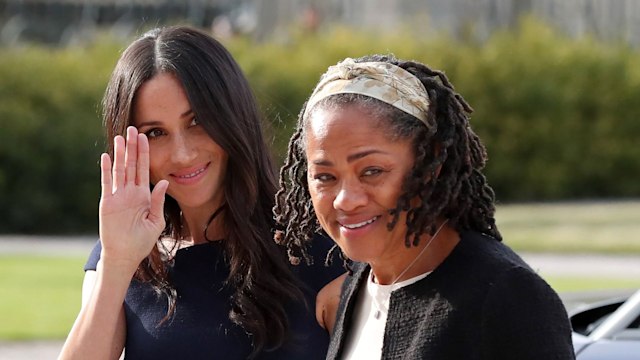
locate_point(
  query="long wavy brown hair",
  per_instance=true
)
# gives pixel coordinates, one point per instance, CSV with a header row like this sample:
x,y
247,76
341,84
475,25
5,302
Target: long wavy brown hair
x,y
224,105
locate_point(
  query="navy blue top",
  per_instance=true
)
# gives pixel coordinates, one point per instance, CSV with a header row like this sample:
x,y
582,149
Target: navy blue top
x,y
200,327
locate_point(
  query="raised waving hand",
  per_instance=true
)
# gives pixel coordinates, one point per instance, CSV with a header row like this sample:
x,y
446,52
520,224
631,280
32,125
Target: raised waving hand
x,y
131,220
131,215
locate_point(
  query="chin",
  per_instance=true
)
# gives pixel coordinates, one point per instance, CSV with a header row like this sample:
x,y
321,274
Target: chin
x,y
359,255
190,202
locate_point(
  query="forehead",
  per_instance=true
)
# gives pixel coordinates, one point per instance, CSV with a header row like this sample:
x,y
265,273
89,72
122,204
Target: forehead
x,y
341,131
161,96
327,122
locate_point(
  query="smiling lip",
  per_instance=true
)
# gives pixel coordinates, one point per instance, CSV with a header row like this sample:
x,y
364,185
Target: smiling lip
x,y
190,176
358,225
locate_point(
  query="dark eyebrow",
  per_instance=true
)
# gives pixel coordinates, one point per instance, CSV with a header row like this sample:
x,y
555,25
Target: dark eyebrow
x,y
156,123
149,123
350,158
362,154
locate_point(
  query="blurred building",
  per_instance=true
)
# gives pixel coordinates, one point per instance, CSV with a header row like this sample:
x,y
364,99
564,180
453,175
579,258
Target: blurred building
x,y
69,21
616,20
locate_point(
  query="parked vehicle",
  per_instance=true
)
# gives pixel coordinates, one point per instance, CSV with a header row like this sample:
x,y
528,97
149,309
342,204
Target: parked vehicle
x,y
607,330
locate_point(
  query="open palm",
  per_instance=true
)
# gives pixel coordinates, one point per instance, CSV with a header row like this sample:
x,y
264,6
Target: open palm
x,y
131,216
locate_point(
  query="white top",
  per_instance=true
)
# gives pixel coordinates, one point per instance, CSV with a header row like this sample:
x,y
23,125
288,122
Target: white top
x,y
365,337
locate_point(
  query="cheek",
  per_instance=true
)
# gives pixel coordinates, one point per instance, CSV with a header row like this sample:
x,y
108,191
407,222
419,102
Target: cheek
x,y
323,209
387,192
315,197
321,201
154,175
155,163
394,192
204,141
313,190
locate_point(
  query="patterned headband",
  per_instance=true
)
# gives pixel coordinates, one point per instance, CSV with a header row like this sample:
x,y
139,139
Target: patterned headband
x,y
383,81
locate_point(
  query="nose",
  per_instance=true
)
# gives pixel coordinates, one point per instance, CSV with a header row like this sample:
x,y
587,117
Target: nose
x,y
184,151
350,196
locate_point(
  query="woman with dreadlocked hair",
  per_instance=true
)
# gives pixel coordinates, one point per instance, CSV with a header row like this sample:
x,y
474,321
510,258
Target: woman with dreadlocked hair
x,y
384,161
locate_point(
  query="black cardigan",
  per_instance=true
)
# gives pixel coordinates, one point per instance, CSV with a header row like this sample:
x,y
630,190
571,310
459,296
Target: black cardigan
x,y
482,302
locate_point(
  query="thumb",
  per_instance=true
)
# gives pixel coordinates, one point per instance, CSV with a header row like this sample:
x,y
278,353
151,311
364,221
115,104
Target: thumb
x,y
156,213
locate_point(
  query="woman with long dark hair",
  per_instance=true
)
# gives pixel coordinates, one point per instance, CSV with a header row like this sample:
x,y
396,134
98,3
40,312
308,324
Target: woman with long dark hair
x,y
187,266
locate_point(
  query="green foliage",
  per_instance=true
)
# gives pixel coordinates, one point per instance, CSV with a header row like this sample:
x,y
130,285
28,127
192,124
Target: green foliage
x,y
50,137
558,115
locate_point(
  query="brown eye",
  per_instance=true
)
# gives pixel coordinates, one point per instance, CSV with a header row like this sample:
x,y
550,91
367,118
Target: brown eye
x,y
323,177
154,133
371,172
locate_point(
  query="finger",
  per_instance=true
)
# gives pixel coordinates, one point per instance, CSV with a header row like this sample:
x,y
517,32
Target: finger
x,y
156,213
143,160
118,162
131,155
105,175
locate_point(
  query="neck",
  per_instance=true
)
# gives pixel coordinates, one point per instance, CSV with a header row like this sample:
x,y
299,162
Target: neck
x,y
414,261
196,220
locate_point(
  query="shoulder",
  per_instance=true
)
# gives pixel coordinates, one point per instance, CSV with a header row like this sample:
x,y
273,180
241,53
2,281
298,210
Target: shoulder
x,y
346,304
480,252
520,300
523,311
502,269
351,282
327,302
94,257
518,282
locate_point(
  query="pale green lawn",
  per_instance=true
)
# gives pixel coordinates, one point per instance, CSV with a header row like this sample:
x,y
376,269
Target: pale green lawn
x,y
40,296
597,227
570,284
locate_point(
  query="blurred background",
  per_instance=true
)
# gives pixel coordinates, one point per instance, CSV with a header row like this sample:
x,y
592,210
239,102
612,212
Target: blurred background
x,y
555,85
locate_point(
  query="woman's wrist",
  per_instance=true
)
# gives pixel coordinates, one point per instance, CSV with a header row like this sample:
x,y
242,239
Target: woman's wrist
x,y
117,267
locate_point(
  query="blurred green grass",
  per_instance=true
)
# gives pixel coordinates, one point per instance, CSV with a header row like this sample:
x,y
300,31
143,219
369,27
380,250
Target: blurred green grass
x,y
563,284
40,296
576,227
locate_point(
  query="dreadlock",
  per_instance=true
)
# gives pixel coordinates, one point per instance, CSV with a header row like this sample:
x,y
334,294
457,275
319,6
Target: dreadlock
x,y
446,178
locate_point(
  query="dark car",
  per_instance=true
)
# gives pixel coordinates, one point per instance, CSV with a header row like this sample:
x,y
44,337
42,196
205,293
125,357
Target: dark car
x,y
607,329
